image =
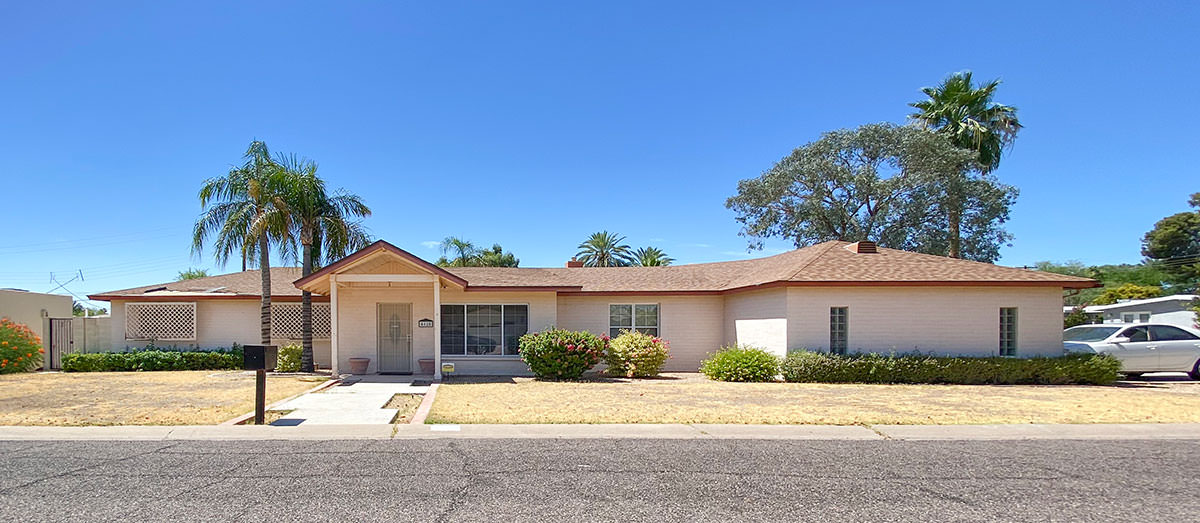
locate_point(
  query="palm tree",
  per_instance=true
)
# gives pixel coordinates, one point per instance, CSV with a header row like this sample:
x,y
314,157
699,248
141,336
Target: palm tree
x,y
496,257
651,257
463,250
966,115
324,226
604,249
238,209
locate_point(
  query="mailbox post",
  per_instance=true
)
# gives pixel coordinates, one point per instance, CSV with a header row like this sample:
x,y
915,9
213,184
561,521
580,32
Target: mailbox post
x,y
259,358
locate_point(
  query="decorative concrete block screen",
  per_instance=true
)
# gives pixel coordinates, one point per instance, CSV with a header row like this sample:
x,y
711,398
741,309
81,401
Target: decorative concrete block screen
x,y
286,321
160,321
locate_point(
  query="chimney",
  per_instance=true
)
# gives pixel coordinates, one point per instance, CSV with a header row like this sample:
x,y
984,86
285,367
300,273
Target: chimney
x,y
574,264
863,247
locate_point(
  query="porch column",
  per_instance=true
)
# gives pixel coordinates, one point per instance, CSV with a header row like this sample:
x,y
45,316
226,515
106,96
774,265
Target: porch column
x,y
333,323
437,328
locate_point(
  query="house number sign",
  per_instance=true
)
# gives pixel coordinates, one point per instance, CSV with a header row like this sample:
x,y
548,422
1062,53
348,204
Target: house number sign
x,y
425,323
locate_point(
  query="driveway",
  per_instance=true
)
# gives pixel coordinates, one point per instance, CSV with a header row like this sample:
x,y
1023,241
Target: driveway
x,y
357,400
600,480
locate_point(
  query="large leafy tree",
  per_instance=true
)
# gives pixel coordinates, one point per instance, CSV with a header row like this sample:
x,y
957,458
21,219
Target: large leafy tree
x,y
496,257
327,226
967,115
605,249
239,217
1174,244
457,252
651,257
192,273
1112,276
878,182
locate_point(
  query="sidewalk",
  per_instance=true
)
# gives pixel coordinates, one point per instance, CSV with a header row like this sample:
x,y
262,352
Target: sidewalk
x,y
667,431
356,400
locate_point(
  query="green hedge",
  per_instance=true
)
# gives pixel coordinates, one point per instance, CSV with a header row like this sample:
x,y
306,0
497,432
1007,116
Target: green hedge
x,y
148,360
821,367
741,363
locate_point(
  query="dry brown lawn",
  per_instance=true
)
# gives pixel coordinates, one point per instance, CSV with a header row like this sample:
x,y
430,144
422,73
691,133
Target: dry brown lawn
x,y
692,399
406,404
135,398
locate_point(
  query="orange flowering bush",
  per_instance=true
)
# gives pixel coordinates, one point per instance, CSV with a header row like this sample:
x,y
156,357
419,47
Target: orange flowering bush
x,y
20,349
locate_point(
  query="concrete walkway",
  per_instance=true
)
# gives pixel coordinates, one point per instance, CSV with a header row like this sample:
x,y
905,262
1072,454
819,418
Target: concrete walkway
x,y
357,400
1148,431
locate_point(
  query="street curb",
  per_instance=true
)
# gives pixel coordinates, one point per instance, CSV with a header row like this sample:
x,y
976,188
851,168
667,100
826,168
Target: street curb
x,y
426,404
250,415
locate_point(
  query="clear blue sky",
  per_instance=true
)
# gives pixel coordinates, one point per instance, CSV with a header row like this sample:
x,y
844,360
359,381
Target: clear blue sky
x,y
535,124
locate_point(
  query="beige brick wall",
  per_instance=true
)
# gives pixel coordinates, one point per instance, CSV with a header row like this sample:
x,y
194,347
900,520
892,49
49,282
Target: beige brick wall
x,y
943,320
692,324
758,318
219,324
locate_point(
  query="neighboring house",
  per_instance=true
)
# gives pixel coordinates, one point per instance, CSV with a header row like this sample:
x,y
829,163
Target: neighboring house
x,y
395,308
1175,310
35,309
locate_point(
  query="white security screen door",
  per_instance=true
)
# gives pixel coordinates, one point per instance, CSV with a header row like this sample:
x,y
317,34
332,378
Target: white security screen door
x,y
395,337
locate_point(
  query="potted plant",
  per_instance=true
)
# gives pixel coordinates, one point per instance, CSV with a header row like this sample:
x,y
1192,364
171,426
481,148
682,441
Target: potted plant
x,y
359,365
426,365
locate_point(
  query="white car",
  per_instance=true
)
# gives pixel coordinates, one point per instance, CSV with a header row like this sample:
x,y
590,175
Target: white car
x,y
1141,347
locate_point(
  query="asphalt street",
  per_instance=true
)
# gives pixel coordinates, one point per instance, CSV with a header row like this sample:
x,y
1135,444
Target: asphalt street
x,y
600,480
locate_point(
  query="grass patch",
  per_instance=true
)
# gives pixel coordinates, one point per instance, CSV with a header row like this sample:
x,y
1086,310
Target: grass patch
x,y
407,405
693,399
135,398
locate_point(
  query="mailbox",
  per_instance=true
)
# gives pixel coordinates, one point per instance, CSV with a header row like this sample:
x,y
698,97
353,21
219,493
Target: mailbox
x,y
259,357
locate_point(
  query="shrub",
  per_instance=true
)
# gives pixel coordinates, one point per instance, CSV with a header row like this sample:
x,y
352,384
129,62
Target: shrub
x,y
741,363
151,360
820,367
634,354
289,358
20,349
558,354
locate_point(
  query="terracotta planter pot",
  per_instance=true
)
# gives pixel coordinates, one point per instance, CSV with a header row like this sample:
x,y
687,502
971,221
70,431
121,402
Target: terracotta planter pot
x,y
426,365
359,365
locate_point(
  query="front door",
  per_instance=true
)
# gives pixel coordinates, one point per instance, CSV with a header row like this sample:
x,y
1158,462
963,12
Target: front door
x,y
395,337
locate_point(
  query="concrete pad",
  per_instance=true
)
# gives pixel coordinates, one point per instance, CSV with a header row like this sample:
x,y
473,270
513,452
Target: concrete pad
x,y
787,432
268,432
349,402
1032,431
85,433
599,431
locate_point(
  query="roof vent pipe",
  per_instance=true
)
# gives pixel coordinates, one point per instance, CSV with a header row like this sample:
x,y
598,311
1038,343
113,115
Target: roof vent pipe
x,y
863,247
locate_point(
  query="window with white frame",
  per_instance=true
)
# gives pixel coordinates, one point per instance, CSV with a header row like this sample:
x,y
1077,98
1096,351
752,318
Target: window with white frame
x,y
160,321
640,317
483,329
839,329
287,321
1008,331
1135,317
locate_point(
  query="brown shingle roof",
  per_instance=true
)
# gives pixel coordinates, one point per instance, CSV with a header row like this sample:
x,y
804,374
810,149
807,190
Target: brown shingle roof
x,y
246,284
829,263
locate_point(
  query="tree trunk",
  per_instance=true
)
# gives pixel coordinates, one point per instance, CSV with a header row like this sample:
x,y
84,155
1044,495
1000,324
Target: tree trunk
x,y
264,266
306,355
954,217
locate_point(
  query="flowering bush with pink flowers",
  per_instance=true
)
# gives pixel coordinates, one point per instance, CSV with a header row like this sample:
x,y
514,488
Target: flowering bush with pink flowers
x,y
634,354
558,354
20,349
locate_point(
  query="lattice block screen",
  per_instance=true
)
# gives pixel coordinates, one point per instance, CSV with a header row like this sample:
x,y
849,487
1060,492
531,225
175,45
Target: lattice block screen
x,y
160,321
286,321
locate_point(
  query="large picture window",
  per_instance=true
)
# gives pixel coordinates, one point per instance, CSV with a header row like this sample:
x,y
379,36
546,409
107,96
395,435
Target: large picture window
x,y
483,330
641,317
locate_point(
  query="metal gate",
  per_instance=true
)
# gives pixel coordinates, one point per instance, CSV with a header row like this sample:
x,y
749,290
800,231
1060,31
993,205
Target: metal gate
x,y
61,342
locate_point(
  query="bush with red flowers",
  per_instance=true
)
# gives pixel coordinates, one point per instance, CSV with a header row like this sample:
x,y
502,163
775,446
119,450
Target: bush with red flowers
x,y
20,349
558,354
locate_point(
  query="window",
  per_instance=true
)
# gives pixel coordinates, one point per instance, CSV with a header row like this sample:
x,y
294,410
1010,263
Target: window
x,y
160,321
1008,331
1137,334
1169,333
839,329
1135,317
483,330
641,317
286,321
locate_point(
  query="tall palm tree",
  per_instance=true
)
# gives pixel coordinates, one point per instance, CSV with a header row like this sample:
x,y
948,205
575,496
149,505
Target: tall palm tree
x,y
324,224
651,257
464,252
238,210
968,117
604,249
